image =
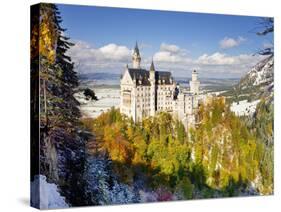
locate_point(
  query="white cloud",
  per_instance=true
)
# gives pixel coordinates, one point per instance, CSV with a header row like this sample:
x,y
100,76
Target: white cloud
x,y
215,59
89,58
110,51
210,65
228,43
165,56
218,58
171,53
112,58
170,48
115,52
223,65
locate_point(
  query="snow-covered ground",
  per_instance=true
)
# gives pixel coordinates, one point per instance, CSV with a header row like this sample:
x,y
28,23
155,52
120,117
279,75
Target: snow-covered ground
x,y
107,98
244,108
46,195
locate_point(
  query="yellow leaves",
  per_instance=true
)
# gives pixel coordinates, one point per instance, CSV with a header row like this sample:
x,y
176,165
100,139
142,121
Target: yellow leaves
x,y
116,145
137,159
269,128
168,167
225,153
48,35
235,175
224,178
34,48
130,133
168,158
224,144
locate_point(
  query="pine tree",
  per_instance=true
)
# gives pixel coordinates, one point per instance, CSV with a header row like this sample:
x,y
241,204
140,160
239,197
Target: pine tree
x,y
97,176
62,143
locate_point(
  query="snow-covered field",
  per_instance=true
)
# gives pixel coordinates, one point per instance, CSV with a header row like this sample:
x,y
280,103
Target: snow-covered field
x,y
107,98
244,108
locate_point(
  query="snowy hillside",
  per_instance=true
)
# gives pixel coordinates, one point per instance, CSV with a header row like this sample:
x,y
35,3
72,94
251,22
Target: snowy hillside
x,y
262,72
257,83
260,75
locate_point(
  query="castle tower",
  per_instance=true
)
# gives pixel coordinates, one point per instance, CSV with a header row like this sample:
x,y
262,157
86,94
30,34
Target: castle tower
x,y
194,83
152,89
194,75
136,57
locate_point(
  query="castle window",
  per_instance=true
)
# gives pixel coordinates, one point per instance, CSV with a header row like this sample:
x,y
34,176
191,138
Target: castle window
x,y
127,99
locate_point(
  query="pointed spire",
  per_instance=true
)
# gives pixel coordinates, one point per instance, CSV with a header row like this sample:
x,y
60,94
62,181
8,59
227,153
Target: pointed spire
x,y
137,48
136,57
152,68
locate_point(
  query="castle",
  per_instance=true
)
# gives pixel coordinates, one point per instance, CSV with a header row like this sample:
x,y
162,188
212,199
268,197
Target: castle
x,y
147,92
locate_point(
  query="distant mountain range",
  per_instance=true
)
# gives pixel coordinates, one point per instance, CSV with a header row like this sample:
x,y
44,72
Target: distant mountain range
x,y
114,79
99,76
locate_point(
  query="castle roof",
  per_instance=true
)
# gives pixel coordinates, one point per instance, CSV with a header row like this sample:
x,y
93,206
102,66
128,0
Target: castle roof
x,y
152,68
136,50
142,77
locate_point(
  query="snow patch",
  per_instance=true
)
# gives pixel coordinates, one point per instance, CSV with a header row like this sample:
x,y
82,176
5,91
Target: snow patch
x,y
45,195
244,108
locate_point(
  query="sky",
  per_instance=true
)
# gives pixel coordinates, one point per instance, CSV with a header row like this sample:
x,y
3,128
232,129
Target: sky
x,y
218,46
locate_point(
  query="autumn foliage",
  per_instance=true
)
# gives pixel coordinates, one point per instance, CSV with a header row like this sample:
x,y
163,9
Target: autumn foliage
x,y
218,157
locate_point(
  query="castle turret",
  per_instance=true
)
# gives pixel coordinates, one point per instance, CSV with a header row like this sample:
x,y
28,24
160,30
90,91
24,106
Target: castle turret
x,y
194,83
194,75
152,68
152,89
136,57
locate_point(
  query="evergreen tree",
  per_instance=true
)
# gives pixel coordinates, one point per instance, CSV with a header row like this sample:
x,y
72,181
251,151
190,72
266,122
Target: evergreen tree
x,y
97,177
62,143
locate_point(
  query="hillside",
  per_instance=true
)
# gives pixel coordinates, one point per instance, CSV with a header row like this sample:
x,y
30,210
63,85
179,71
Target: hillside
x,y
158,159
256,84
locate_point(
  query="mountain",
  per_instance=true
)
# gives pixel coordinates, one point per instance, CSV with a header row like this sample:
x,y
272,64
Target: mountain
x,y
256,84
99,76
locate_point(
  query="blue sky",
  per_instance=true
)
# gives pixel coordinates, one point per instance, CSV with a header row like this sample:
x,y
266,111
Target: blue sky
x,y
178,41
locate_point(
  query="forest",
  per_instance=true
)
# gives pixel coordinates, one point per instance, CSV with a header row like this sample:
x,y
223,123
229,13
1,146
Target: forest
x,y
112,160
221,157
